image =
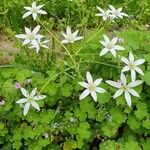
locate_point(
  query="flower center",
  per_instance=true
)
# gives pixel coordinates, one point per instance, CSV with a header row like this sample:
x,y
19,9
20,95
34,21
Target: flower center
x,y
30,37
30,98
92,87
110,46
34,10
132,65
125,88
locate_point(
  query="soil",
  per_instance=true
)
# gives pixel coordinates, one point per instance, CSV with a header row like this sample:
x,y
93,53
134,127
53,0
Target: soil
x,y
7,49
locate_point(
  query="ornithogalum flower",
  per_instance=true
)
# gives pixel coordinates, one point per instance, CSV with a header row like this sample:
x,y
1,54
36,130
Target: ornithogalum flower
x,y
34,10
31,36
125,88
110,46
116,13
104,14
91,87
132,65
71,37
30,99
43,44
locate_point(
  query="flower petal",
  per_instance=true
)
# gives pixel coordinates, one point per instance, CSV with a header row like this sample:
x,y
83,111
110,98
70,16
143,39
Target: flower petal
x,y
118,93
114,40
34,15
123,79
112,83
27,30
104,51
131,57
26,41
97,82
26,14
125,60
139,70
100,90
39,6
42,12
133,75
89,77
36,30
39,97
113,52
84,94
126,68
64,41
106,38
94,96
24,92
134,93
26,109
84,84
28,8
101,10
68,31
139,62
21,36
78,38
128,98
75,33
33,92
22,100
117,47
135,83
35,105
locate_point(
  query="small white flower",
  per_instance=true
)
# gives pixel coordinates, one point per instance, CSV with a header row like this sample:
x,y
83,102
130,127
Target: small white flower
x,y
2,102
110,46
132,65
116,13
91,87
34,10
43,44
55,125
71,37
120,40
104,14
125,88
30,99
46,135
31,36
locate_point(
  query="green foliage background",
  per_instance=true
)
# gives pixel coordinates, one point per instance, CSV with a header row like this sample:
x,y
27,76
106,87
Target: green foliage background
x,y
76,12
106,125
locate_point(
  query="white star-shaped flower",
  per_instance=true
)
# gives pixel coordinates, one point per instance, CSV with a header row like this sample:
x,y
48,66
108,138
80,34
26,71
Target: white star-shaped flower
x,y
116,13
132,65
91,87
43,44
30,99
104,14
125,88
31,36
71,37
34,10
110,46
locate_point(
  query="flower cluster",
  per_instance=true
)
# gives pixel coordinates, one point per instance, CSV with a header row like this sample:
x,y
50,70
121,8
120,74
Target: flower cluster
x,y
30,99
112,13
33,38
131,65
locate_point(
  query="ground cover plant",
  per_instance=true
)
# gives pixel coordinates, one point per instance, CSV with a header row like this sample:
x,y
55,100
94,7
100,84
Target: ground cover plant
x,y
80,79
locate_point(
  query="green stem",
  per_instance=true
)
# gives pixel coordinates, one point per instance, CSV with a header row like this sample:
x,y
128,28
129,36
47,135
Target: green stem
x,y
70,55
98,62
96,32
